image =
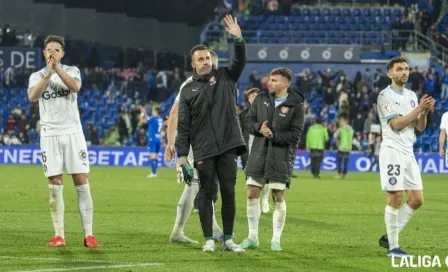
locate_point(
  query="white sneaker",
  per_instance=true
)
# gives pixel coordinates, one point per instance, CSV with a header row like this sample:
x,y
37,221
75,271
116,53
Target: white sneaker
x,y
209,246
152,175
229,245
265,208
182,239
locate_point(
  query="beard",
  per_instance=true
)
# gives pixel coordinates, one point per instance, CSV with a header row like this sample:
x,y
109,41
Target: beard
x,y
400,81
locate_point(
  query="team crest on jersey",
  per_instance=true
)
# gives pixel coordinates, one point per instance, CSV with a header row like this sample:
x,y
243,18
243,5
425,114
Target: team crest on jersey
x,y
393,181
413,103
386,108
284,110
83,155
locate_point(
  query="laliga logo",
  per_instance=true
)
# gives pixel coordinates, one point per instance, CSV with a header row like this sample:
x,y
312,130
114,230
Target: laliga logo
x,y
263,53
348,55
305,54
283,54
326,54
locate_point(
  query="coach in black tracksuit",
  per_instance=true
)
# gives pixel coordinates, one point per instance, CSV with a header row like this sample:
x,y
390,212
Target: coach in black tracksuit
x,y
209,122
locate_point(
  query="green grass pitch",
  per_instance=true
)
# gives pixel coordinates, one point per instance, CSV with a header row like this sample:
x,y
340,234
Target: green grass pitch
x,y
331,225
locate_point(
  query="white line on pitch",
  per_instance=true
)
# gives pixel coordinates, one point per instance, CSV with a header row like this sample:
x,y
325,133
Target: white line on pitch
x,y
93,267
58,259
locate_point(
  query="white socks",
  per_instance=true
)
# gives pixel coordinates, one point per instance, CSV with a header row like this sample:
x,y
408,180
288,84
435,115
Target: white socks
x,y
57,208
253,216
279,217
391,220
404,214
266,192
184,208
216,228
85,206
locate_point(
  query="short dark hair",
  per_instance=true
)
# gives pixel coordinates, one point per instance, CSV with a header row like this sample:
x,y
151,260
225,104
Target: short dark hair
x,y
57,39
253,90
392,62
158,110
285,72
198,48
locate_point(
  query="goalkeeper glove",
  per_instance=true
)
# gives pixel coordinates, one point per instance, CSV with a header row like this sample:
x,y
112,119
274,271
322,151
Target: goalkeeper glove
x,y
185,174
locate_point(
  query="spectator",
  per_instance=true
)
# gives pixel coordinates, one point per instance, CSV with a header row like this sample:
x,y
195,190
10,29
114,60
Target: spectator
x,y
329,98
22,123
358,123
142,138
368,123
10,124
94,137
430,85
122,128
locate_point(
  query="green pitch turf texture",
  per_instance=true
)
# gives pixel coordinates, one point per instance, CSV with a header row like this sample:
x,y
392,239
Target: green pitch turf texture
x,y
331,225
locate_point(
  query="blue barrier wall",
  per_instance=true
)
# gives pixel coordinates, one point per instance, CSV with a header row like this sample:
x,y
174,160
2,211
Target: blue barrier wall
x,y
111,156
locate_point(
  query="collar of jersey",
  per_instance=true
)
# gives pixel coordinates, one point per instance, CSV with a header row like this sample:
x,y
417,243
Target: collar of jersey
x,y
396,91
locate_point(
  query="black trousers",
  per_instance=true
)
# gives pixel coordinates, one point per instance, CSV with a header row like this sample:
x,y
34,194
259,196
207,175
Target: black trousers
x,y
343,155
317,157
225,167
215,196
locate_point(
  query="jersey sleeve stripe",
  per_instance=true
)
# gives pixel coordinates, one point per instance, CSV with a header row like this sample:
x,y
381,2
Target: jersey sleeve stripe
x,y
392,116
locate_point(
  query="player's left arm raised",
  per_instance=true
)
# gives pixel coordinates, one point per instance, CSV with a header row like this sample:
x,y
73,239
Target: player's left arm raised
x,y
72,80
239,58
292,135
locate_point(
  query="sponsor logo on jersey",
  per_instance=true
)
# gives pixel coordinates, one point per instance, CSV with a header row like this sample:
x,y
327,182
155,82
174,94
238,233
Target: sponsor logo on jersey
x,y
50,95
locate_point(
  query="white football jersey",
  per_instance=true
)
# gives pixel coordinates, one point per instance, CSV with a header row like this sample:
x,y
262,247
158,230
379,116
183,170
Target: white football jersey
x,y
58,106
181,87
392,103
444,123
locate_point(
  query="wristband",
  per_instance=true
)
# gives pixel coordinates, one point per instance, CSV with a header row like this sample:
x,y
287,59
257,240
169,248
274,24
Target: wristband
x,y
239,39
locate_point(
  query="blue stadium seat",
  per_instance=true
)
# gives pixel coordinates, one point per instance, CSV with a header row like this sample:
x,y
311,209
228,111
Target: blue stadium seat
x,y
336,12
326,12
387,12
397,12
366,12
377,12
316,12
357,12
346,12
306,12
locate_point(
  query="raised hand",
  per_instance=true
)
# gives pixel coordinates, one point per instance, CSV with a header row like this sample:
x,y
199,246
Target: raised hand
x,y
232,26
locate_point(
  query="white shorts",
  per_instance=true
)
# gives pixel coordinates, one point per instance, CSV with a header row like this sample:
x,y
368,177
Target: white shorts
x,y
260,182
190,159
398,171
68,150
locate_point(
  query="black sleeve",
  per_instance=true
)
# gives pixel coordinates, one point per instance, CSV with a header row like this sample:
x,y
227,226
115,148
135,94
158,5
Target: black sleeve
x,y
183,127
238,61
251,122
293,134
242,118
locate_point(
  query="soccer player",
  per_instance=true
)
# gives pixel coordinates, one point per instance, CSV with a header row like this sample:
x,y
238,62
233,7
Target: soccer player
x,y
209,122
185,202
400,113
62,139
442,136
249,138
316,138
344,138
276,120
154,137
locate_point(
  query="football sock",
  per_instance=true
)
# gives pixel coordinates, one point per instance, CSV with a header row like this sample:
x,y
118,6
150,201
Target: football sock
x,y
265,192
391,220
278,217
154,164
85,206
404,214
184,207
253,216
57,208
216,228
